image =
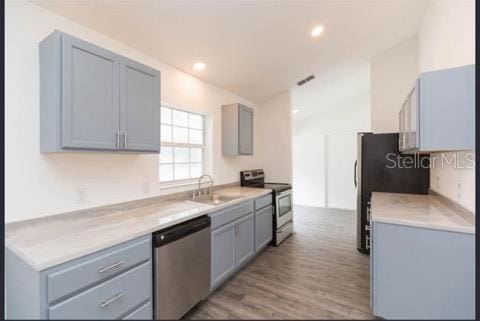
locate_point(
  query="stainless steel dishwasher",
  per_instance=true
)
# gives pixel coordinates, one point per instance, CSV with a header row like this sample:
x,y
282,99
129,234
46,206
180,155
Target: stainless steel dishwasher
x,y
182,267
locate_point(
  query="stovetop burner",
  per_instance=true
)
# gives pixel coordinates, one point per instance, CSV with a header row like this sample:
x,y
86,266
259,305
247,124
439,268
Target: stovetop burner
x,y
256,178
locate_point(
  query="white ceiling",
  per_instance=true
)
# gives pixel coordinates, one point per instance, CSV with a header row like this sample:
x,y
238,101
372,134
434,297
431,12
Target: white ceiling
x,y
330,90
256,49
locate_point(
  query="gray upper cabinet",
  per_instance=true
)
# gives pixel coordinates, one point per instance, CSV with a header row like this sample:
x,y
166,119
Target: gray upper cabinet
x,y
439,112
90,77
237,130
94,99
140,107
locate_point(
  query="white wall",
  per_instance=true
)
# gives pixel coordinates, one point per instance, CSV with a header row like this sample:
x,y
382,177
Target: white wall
x,y
447,39
43,184
274,143
393,74
332,107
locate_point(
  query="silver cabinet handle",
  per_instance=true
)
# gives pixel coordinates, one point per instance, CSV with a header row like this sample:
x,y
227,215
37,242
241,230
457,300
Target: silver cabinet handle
x,y
114,265
367,242
125,140
118,139
115,298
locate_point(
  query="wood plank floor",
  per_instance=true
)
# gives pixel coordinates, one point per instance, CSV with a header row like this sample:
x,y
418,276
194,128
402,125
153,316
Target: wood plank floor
x,y
317,273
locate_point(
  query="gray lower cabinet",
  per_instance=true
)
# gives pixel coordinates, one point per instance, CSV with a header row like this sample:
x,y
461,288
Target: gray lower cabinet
x,y
110,284
233,245
94,99
238,232
244,240
223,256
420,273
237,130
263,227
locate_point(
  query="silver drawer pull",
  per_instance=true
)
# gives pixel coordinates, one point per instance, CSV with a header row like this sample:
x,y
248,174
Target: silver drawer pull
x,y
114,265
115,298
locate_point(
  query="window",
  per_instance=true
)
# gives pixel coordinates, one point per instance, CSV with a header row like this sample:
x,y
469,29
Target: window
x,y
182,140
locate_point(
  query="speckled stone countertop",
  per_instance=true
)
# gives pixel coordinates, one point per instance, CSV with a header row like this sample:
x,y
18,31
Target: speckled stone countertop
x,y
427,211
49,241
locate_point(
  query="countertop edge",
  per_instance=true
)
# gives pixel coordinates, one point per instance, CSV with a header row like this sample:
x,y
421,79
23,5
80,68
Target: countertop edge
x,y
435,197
101,246
427,226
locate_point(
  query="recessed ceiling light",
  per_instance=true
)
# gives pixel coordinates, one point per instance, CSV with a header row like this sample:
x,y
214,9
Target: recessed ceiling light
x,y
199,66
294,111
317,31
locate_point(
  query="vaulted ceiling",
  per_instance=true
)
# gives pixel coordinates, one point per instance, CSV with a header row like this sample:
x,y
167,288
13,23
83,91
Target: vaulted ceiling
x,y
256,49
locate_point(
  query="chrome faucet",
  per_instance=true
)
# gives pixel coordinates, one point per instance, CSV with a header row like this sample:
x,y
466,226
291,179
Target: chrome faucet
x,y
199,190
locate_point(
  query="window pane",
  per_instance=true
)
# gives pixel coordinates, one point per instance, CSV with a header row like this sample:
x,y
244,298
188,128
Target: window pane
x,y
166,133
166,115
166,155
195,170
195,121
166,173
195,136
182,171
180,118
195,155
180,135
181,155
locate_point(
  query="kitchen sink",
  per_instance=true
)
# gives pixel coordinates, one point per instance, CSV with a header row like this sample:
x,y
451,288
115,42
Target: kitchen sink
x,y
215,199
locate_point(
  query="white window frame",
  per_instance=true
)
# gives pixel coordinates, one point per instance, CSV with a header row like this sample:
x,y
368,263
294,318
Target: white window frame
x,y
187,181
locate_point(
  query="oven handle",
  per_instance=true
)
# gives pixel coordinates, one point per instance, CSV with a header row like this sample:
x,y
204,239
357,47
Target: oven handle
x,y
289,191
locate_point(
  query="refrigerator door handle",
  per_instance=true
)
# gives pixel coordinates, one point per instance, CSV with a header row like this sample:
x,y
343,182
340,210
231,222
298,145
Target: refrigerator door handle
x,y
355,173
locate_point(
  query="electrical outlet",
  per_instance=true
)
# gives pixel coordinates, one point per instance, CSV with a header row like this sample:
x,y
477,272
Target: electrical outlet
x,y
81,195
146,188
437,182
459,191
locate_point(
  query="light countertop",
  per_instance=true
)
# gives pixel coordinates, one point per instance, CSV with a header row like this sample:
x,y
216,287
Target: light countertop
x,y
427,211
53,240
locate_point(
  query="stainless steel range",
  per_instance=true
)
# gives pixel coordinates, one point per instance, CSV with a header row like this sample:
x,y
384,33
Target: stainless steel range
x,y
282,201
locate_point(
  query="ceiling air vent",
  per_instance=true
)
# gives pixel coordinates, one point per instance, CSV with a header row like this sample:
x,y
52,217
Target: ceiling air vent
x,y
303,81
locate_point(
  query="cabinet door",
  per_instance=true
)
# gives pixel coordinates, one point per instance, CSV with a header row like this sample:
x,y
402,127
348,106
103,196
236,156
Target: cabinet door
x,y
223,254
244,241
414,141
245,130
263,227
90,95
401,140
139,107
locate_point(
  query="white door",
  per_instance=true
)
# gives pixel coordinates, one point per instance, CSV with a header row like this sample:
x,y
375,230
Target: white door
x,y
340,155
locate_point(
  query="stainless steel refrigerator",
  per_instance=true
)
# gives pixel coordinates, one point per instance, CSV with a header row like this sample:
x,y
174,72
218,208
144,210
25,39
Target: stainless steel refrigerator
x,y
381,168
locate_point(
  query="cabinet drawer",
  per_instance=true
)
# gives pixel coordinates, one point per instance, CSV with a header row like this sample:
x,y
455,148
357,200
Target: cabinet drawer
x,y
145,312
91,269
263,201
231,214
108,300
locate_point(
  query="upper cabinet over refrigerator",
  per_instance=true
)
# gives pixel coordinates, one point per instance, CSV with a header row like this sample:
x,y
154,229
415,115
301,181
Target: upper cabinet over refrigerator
x,y
439,112
94,99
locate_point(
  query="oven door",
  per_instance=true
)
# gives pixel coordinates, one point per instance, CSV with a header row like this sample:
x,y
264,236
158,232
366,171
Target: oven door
x,y
283,208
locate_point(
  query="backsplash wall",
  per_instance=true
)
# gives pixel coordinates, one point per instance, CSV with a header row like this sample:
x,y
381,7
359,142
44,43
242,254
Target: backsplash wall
x,y
447,39
39,184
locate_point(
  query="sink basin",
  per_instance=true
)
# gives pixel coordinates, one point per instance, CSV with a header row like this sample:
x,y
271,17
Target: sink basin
x,y
215,199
